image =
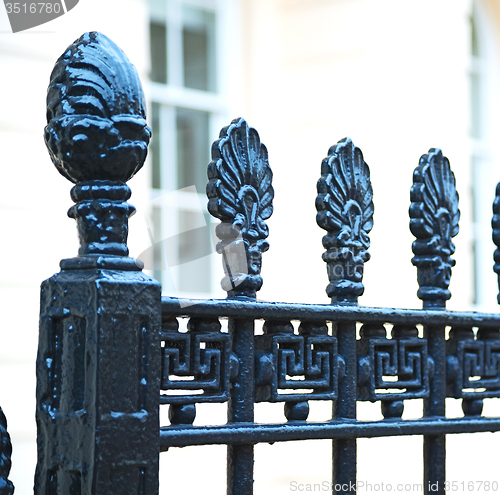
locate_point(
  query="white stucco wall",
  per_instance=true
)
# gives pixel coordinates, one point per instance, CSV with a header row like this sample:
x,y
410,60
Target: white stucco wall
x,y
36,231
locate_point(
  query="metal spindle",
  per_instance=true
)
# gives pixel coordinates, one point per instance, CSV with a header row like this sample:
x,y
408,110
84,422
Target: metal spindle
x,y
240,194
98,364
434,220
345,211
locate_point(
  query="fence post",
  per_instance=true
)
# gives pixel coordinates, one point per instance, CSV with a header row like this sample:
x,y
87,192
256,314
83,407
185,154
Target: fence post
x,y
98,364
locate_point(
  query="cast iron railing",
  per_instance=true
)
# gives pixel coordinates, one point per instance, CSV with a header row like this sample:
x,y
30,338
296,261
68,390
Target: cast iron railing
x,y
321,358
111,351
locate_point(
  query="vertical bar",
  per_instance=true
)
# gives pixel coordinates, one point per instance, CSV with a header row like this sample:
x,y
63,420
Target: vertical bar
x,y
344,451
435,445
240,458
345,199
243,234
434,215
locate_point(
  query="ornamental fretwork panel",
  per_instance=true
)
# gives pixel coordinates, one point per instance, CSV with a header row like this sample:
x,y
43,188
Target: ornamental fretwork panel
x,y
392,369
473,363
198,360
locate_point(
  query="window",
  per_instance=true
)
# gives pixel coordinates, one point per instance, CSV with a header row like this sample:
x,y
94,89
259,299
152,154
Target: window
x,y
483,79
187,108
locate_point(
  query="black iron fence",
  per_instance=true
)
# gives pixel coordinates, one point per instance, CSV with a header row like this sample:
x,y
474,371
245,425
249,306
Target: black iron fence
x,y
111,351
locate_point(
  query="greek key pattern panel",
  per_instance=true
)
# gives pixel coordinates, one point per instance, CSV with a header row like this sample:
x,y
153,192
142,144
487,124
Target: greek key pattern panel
x,y
392,369
291,367
473,365
196,365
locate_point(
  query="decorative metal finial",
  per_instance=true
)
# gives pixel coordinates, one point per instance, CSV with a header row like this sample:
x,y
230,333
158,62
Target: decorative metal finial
x,y
345,211
6,486
434,220
240,194
495,223
98,138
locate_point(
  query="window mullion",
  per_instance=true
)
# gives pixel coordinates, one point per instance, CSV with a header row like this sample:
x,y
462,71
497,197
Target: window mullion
x,y
188,98
170,216
168,144
187,116
174,44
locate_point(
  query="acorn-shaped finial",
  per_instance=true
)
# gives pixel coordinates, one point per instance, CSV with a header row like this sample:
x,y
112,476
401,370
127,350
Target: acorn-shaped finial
x,y
98,137
96,113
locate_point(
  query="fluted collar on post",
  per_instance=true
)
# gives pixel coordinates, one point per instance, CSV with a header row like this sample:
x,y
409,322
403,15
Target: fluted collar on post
x,y
97,137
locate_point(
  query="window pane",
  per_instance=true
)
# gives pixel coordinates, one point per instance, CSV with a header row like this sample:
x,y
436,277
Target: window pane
x,y
473,34
158,261
193,149
194,251
476,103
155,146
158,40
475,84
198,38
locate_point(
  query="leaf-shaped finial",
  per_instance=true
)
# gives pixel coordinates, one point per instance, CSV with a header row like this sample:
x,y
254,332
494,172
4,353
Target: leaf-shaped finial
x,y
345,211
495,223
240,194
434,217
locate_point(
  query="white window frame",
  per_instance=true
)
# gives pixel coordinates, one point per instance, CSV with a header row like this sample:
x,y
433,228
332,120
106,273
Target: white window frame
x,y
220,107
484,156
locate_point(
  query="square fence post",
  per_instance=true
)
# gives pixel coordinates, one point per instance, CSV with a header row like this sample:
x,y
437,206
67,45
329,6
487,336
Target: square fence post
x,y
98,364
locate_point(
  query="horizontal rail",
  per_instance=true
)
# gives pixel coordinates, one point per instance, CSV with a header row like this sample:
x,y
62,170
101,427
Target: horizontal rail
x,y
239,308
183,436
